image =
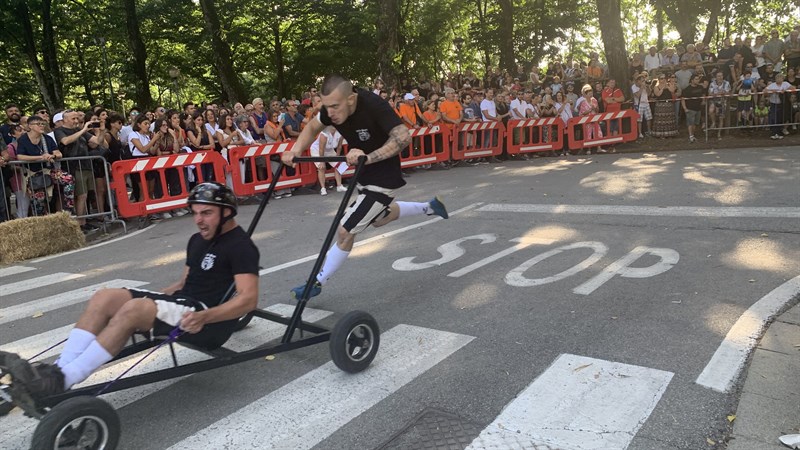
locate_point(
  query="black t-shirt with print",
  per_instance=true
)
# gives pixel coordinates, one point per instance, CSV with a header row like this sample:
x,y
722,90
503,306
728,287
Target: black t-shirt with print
x,y
212,264
368,129
692,96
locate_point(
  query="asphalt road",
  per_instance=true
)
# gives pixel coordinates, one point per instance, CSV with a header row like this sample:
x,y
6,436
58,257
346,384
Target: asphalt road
x,y
521,282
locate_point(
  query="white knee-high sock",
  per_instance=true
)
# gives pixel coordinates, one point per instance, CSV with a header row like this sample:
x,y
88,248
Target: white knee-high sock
x,y
81,367
333,261
77,342
413,208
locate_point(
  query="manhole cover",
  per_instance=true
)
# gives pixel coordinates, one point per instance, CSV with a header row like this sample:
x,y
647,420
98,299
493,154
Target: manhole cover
x,y
434,429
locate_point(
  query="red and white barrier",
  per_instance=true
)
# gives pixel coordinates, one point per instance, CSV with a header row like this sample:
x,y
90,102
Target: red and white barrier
x,y
626,122
429,145
469,140
535,135
251,171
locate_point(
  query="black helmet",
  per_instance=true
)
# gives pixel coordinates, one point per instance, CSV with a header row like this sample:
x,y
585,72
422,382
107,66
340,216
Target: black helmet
x,y
213,193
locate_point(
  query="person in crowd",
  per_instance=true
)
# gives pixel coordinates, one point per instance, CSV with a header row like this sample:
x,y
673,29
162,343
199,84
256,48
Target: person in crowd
x,y
744,106
564,111
238,109
692,99
274,133
652,61
669,60
641,103
212,126
451,110
328,143
719,89
791,50
706,55
189,108
199,136
570,95
42,112
117,151
14,176
40,151
691,56
664,124
635,65
243,130
683,76
258,119
13,117
612,98
227,135
588,105
762,112
142,144
775,92
489,114
407,111
292,120
74,141
133,114
773,53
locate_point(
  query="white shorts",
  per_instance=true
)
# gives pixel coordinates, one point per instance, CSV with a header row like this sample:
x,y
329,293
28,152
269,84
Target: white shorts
x,y
315,153
371,204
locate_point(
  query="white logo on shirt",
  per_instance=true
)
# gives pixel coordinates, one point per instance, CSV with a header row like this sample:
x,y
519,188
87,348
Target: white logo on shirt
x,y
208,261
363,134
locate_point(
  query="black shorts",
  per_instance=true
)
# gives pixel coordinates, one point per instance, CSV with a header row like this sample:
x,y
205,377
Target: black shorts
x,y
369,206
212,336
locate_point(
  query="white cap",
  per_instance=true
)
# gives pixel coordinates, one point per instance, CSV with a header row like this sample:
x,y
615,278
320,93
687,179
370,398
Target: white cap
x,y
409,96
58,117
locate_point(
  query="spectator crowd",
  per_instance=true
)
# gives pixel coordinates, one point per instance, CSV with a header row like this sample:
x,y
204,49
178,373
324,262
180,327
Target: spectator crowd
x,y
747,85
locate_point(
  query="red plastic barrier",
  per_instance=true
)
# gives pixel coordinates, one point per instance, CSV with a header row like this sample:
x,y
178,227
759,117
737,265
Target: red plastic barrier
x,y
428,145
163,175
470,141
625,121
251,172
535,135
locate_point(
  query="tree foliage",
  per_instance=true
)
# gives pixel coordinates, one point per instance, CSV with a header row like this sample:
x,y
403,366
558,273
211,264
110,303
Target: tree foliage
x,y
52,51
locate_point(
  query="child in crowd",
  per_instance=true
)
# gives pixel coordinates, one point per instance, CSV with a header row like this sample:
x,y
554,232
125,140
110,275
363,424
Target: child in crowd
x,y
761,112
745,100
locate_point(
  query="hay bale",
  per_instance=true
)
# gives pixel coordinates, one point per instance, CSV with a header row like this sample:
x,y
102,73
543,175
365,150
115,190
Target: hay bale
x,y
39,236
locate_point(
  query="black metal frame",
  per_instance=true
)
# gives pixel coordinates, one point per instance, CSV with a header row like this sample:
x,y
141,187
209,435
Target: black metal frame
x,y
224,357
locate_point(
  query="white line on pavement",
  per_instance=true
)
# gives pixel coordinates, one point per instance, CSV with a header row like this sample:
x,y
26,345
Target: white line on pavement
x,y
42,305
728,361
33,283
669,211
296,262
309,409
257,333
13,270
578,403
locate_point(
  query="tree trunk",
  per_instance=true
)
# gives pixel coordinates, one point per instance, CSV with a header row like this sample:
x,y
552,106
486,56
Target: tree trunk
x,y
49,52
614,42
142,96
713,21
388,26
683,21
506,35
29,48
660,28
84,74
221,56
279,64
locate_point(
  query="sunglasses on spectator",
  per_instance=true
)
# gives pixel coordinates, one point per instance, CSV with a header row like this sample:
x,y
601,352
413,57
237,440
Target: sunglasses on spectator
x,y
42,112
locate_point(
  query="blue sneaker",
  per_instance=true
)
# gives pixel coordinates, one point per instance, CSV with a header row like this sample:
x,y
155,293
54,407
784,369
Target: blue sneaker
x,y
437,207
316,289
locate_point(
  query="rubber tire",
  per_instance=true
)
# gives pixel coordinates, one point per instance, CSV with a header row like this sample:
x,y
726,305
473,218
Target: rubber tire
x,y
44,437
243,322
339,346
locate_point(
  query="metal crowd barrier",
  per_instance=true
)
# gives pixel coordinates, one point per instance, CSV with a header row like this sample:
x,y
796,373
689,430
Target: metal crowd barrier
x,y
53,188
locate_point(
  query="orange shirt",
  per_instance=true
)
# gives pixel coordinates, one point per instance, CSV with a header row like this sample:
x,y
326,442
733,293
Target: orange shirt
x,y
430,116
451,110
408,112
271,124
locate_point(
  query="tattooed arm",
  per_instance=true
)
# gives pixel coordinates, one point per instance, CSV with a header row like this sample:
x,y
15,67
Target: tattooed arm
x,y
398,140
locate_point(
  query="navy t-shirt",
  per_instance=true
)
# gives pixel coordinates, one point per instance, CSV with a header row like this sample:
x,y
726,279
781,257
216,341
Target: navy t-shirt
x,y
28,148
368,129
213,264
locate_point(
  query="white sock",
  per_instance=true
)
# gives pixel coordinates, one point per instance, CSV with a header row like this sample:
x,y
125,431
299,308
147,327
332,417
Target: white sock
x,y
333,261
413,209
81,367
77,342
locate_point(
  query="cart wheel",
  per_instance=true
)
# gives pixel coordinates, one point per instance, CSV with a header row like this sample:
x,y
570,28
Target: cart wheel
x,y
243,322
354,341
79,422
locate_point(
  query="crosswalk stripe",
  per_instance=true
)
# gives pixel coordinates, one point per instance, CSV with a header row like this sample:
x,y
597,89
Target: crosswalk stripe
x,y
578,402
13,270
32,345
68,298
312,407
33,283
257,333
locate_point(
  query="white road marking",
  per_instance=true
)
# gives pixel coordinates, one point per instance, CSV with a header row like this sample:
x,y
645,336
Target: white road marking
x,y
415,226
669,211
523,243
516,277
33,283
13,270
32,345
309,409
621,267
450,251
728,361
61,300
91,247
257,333
578,403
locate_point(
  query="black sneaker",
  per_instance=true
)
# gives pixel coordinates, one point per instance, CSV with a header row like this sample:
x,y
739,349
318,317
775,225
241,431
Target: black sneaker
x,y
39,380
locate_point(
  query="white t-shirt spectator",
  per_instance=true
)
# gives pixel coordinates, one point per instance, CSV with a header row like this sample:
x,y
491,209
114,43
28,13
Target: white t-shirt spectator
x,y
518,105
124,132
330,145
634,90
246,137
652,62
773,88
213,130
143,140
488,106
